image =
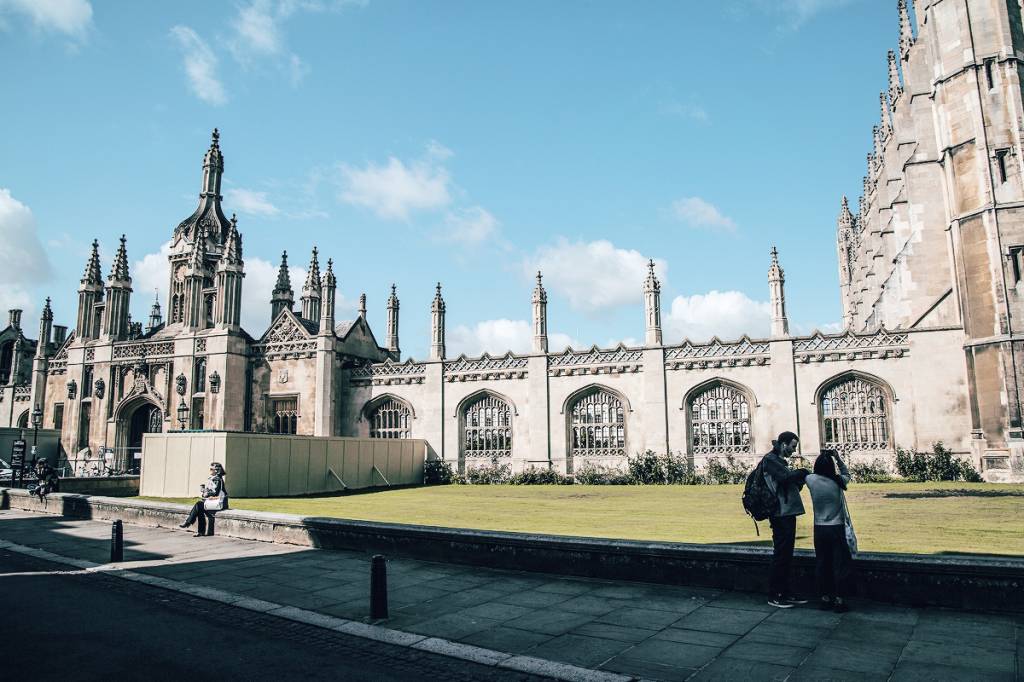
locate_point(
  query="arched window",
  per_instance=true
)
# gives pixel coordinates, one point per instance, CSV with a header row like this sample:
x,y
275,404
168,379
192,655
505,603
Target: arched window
x,y
597,426
487,428
199,376
719,421
6,361
390,419
87,382
855,415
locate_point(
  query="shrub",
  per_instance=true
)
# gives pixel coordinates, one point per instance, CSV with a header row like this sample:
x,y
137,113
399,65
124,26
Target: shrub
x,y
875,471
534,476
717,472
650,468
439,472
940,465
590,474
489,474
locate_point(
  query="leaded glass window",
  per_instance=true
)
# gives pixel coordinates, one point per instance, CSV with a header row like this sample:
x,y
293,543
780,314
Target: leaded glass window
x,y
199,376
284,415
855,416
390,419
720,421
487,428
597,426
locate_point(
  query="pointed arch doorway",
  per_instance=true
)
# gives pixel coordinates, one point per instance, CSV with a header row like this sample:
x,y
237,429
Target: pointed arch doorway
x,y
135,419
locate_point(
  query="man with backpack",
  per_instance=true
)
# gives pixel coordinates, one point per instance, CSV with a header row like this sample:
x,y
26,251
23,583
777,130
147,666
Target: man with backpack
x,y
773,492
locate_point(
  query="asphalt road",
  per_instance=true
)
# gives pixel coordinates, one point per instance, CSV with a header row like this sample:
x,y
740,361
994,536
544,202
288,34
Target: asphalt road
x,y
60,624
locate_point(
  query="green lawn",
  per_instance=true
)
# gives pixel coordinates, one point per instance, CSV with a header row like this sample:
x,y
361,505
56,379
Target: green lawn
x,y
927,518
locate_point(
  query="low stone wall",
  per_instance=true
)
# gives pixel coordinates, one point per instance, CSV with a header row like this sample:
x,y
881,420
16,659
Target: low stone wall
x,y
113,486
976,583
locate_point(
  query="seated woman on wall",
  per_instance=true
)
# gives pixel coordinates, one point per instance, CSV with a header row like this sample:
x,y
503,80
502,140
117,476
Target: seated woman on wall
x,y
213,497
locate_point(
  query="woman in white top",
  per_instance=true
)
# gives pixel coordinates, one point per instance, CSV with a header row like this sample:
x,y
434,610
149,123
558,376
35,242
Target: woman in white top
x,y
832,554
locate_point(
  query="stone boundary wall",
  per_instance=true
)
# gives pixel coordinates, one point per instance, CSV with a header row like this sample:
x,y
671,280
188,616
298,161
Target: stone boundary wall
x,y
264,465
975,583
114,486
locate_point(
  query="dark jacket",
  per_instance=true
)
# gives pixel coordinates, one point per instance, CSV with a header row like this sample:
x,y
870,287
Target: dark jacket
x,y
214,486
786,482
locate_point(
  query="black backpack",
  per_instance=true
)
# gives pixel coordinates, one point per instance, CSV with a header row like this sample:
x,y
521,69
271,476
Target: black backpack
x,y
759,501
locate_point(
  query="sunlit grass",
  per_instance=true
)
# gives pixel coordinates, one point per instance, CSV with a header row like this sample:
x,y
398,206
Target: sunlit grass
x,y
926,518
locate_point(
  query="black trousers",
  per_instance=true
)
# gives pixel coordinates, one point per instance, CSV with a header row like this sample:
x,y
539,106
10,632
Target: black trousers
x,y
833,562
204,517
783,539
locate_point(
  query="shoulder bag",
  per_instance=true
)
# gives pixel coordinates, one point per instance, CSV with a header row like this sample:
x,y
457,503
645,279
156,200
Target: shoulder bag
x,y
851,536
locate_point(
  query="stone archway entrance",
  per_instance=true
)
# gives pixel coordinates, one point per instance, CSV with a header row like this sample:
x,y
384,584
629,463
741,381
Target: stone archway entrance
x,y
134,421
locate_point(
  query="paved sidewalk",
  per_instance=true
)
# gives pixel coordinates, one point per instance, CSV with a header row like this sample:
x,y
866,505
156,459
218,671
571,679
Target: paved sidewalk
x,y
640,630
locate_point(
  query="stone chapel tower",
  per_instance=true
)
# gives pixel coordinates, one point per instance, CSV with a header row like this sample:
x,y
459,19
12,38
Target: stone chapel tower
x,y
652,307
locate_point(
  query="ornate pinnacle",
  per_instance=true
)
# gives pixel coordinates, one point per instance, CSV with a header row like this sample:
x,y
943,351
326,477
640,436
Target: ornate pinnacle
x,y
393,298
92,266
313,276
651,283
47,312
438,305
119,268
197,261
539,295
894,79
328,279
883,110
284,282
845,217
775,271
906,33
232,248
215,139
362,305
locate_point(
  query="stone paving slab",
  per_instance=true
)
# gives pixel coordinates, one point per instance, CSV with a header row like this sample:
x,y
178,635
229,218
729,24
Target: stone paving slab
x,y
657,632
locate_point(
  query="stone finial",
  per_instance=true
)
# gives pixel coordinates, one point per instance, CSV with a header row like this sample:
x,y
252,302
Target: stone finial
x,y
845,221
539,294
883,115
651,283
284,280
119,268
328,279
906,32
438,304
777,294
313,274
197,259
92,266
895,89
233,245
362,305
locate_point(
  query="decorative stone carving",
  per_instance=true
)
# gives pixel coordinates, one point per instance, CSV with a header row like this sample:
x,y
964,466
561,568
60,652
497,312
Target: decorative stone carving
x,y
485,367
129,351
215,382
200,345
180,382
90,354
99,388
282,376
388,373
72,389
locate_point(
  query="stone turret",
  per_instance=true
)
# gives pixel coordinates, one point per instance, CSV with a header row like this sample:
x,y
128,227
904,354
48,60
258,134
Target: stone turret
x,y
362,305
652,307
311,291
45,325
328,294
437,311
392,328
230,272
209,213
119,289
777,293
283,297
540,317
195,276
90,293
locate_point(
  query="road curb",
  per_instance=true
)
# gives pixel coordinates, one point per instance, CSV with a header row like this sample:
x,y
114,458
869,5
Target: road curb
x,y
436,645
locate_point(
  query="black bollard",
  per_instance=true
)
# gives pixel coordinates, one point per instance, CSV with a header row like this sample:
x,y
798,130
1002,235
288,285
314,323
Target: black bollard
x,y
116,542
378,588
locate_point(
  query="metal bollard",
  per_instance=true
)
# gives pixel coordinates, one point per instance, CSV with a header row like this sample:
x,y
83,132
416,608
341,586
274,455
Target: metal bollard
x,y
378,588
116,542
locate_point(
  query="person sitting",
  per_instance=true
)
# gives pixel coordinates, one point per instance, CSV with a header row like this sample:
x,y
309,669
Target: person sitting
x,y
47,480
213,497
832,553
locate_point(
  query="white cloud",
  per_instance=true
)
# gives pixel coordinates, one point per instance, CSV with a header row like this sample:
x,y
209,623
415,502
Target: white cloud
x,y
251,202
258,33
70,17
691,111
792,14
150,275
695,212
23,261
396,189
471,226
498,337
725,314
200,65
594,275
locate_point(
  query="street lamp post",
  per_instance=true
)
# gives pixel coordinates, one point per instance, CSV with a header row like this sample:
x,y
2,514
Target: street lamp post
x,y
182,414
37,420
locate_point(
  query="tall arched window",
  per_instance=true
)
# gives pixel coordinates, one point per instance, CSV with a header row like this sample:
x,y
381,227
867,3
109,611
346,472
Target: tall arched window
x,y
199,376
390,419
720,421
597,426
855,415
487,428
6,361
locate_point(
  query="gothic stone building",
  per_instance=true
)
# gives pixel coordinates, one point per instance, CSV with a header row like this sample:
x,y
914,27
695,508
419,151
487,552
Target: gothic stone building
x,y
929,267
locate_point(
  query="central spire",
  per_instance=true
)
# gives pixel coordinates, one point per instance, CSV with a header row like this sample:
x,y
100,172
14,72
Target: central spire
x,y
209,213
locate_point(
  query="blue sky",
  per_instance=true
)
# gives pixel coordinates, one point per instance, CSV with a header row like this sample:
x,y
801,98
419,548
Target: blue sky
x,y
465,142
